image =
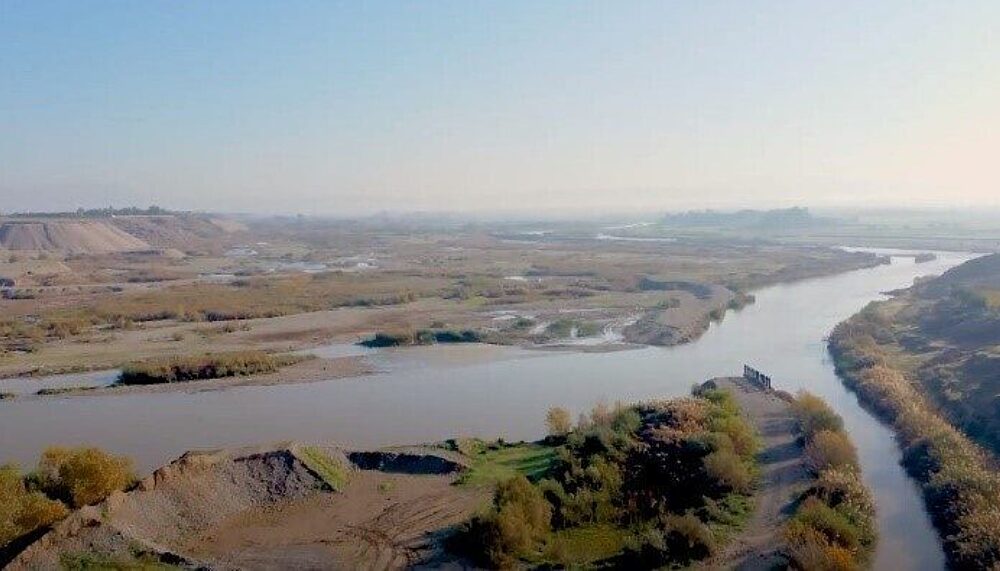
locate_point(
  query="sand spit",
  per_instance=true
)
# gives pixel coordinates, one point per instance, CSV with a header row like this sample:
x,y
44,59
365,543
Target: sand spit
x,y
282,506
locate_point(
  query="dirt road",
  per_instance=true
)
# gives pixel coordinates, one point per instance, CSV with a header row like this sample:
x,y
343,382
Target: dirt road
x,y
783,477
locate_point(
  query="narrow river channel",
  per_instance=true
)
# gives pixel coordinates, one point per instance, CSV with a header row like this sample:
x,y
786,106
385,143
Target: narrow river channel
x,y
430,394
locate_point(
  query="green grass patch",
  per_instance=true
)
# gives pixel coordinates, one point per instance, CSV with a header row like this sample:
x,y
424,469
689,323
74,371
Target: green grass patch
x,y
728,516
584,546
494,462
331,471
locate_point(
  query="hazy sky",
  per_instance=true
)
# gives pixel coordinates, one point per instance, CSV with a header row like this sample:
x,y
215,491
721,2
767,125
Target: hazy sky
x,y
328,107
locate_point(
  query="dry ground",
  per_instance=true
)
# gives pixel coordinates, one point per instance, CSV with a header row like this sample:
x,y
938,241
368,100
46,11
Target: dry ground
x,y
783,478
379,521
271,507
457,277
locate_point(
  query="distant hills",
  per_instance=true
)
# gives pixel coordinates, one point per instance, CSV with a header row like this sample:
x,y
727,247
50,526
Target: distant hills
x,y
755,219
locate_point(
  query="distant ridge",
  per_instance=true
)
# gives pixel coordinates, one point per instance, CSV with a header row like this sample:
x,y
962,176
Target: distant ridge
x,y
778,218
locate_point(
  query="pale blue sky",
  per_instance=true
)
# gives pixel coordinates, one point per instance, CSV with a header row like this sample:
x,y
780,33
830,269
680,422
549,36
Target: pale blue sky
x,y
352,107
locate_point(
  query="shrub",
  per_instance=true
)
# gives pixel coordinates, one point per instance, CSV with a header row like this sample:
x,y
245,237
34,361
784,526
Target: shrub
x,y
23,511
686,538
809,550
558,422
463,336
81,476
740,433
680,539
828,449
519,522
814,415
381,339
179,369
727,469
835,528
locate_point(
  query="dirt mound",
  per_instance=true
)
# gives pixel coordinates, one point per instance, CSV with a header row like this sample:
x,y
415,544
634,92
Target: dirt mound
x,y
179,501
271,507
70,236
183,232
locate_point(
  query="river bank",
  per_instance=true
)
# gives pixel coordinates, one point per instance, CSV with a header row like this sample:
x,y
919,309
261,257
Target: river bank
x,y
431,393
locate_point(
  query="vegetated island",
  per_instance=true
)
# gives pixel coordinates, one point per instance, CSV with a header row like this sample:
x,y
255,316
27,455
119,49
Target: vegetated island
x,y
927,361
682,482
216,371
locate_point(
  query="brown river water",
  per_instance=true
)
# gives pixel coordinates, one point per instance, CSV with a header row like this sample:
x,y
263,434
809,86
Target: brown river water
x,y
434,393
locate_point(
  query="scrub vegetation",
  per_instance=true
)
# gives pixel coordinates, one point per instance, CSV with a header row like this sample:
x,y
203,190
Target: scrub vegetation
x,y
649,485
70,312
422,337
833,526
926,361
960,487
180,369
64,478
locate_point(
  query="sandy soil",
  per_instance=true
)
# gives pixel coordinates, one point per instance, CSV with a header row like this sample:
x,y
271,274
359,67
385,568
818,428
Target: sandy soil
x,y
286,333
345,325
681,324
379,521
72,236
271,507
309,371
462,279
783,478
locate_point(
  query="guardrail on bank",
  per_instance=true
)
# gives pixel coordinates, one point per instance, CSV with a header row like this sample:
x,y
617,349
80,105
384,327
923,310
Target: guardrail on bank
x,y
756,377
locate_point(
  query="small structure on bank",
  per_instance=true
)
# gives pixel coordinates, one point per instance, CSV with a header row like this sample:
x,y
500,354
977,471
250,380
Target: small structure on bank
x,y
756,377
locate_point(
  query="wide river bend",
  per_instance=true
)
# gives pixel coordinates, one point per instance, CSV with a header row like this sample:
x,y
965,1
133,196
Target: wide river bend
x,y
430,394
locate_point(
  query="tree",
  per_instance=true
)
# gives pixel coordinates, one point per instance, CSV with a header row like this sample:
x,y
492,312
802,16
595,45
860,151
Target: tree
x,y
829,449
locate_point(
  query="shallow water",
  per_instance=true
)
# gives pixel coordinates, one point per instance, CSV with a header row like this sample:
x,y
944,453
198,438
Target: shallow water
x,y
429,394
31,385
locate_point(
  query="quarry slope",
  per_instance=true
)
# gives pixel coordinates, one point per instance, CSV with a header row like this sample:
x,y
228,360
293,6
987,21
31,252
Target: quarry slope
x,y
273,507
69,236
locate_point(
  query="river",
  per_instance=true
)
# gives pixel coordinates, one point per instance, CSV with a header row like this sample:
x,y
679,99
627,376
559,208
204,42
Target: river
x,y
430,394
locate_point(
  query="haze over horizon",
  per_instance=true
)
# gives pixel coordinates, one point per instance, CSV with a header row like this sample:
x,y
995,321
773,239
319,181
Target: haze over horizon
x,y
343,108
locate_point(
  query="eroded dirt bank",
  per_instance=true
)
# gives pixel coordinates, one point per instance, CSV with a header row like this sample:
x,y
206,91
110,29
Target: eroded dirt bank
x,y
273,507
